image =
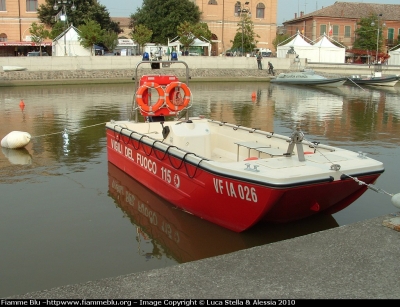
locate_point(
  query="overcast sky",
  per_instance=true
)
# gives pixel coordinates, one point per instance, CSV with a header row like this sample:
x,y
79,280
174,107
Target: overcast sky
x,y
286,8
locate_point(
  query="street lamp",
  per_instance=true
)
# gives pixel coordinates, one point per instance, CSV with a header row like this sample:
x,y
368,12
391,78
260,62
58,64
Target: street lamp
x,y
63,16
241,11
377,36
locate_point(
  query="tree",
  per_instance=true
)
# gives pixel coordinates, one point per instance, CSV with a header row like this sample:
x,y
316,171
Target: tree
x,y
185,33
366,34
279,39
201,31
38,34
163,17
245,35
141,35
110,40
57,29
85,9
90,34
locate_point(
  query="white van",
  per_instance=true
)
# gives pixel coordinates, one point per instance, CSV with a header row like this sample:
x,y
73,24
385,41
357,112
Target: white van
x,y
266,53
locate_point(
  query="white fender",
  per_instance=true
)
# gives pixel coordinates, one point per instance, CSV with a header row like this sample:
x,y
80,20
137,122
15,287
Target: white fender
x,y
396,200
16,139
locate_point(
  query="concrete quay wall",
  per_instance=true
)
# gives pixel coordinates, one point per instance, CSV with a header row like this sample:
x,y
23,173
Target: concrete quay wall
x,y
102,69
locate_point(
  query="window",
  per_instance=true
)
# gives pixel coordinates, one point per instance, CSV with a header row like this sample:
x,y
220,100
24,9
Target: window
x,y
238,7
260,10
390,35
212,2
322,30
346,31
3,37
2,5
335,31
31,5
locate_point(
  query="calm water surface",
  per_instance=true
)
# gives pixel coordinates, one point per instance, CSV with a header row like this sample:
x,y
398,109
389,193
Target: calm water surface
x,y
67,216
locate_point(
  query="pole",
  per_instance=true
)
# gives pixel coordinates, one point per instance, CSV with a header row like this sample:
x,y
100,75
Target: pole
x,y
242,37
377,45
65,33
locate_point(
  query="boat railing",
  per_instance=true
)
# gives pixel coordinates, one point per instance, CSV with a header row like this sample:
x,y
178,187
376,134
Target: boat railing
x,y
271,135
155,64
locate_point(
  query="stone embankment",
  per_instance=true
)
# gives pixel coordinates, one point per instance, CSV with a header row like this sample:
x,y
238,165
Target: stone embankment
x,y
12,78
78,70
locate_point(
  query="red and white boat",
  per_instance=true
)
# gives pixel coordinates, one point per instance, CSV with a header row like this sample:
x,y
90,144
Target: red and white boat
x,y
227,174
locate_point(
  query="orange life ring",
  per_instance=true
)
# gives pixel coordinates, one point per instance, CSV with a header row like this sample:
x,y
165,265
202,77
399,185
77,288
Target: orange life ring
x,y
177,103
142,104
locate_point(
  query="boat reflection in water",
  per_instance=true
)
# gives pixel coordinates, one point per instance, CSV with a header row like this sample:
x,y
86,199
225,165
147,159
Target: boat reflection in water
x,y
186,237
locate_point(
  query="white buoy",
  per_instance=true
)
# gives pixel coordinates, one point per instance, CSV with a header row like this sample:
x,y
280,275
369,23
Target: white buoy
x,y
17,156
16,139
396,200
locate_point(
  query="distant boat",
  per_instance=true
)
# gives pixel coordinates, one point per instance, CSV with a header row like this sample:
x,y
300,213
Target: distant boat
x,y
307,77
13,68
375,79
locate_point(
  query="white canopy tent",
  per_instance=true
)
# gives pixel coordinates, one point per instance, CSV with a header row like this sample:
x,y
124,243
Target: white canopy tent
x,y
67,43
196,43
302,48
327,52
394,56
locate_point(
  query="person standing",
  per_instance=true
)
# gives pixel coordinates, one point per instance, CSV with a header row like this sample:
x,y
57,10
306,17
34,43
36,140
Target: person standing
x,y
259,58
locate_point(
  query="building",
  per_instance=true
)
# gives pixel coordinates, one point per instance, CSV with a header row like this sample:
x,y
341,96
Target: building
x,y
16,18
223,18
339,21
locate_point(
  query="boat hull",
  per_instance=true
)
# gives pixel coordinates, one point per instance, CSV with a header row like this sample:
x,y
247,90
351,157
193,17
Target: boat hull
x,y
308,79
225,197
374,81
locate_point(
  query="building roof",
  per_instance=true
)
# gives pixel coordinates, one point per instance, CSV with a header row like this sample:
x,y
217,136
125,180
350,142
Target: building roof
x,y
355,10
123,21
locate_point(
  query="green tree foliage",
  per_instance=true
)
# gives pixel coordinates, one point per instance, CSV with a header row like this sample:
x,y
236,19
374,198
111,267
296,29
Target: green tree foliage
x,y
163,17
110,40
366,34
245,30
85,9
57,29
279,39
90,33
201,31
38,34
185,33
141,35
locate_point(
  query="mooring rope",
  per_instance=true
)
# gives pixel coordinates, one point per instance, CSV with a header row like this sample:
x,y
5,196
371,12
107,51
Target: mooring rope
x,y
67,130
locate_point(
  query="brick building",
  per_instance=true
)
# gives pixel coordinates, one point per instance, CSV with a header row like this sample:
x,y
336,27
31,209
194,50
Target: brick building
x,y
223,18
339,21
16,17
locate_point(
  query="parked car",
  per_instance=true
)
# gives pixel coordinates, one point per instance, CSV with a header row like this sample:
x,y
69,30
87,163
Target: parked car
x,y
37,53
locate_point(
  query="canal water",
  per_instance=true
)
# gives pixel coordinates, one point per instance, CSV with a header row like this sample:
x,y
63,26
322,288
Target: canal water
x,y
68,216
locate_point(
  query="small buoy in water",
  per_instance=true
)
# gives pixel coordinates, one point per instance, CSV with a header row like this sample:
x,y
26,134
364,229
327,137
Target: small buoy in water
x,y
396,200
16,139
22,104
253,95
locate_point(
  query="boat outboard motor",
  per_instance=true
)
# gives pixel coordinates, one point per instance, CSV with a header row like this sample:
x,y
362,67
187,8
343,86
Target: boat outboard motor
x,y
174,56
145,56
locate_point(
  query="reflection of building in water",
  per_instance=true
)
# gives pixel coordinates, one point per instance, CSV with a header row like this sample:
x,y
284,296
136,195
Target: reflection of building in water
x,y
304,104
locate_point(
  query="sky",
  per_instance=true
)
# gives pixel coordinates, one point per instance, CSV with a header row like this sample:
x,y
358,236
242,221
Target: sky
x,y
286,8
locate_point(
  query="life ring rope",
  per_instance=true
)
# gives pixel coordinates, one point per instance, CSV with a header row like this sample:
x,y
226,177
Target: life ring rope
x,y
145,107
177,103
